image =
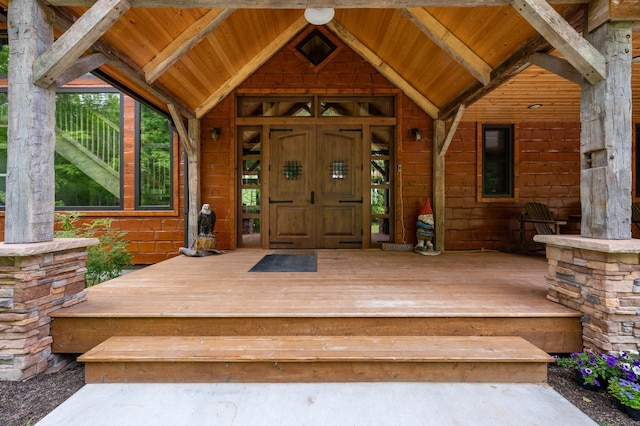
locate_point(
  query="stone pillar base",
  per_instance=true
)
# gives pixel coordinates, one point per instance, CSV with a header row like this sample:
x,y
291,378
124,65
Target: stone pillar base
x,y
35,280
601,279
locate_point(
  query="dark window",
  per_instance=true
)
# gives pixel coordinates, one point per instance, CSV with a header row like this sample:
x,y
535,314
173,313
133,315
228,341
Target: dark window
x,y
638,160
497,161
316,47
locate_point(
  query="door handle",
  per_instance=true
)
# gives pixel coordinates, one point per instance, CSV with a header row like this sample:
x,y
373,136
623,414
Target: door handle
x,y
313,197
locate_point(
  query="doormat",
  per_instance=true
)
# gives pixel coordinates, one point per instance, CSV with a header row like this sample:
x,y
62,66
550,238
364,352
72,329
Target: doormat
x,y
286,263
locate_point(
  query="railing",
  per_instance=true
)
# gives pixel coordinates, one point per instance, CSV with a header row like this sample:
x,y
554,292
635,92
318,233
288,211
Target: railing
x,y
91,130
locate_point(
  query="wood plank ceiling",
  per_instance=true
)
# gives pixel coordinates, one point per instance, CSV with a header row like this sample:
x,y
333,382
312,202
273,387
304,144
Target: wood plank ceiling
x,y
441,56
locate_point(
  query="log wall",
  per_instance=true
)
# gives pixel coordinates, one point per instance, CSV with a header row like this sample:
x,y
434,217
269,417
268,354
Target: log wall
x,y
548,163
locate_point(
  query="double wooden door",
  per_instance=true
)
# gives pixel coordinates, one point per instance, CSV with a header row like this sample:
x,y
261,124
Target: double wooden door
x,y
315,187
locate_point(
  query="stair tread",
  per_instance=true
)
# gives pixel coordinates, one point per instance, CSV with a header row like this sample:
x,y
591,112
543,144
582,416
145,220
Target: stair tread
x,y
316,349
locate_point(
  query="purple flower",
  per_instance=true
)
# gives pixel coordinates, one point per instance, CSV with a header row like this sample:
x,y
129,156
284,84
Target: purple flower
x,y
612,361
631,376
586,371
596,383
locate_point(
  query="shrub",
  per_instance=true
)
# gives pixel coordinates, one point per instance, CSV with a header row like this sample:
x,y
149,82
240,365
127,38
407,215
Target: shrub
x,y
599,369
105,260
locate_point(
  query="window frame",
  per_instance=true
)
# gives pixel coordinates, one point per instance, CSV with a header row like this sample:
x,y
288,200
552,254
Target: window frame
x,y
513,163
137,156
121,203
636,159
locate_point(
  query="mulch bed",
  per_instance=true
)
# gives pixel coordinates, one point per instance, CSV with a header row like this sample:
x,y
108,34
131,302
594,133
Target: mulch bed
x,y
25,403
597,405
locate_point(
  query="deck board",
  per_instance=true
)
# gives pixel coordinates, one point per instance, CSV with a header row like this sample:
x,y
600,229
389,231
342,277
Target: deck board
x,y
315,348
349,283
354,292
315,358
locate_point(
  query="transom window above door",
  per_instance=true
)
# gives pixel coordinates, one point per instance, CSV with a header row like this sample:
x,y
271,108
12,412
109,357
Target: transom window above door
x,y
316,106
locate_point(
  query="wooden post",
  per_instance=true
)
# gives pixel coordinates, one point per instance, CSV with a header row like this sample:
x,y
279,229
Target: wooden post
x,y
605,145
438,183
193,166
31,139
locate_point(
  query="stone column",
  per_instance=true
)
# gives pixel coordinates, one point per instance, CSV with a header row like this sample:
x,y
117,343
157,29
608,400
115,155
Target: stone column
x,y
601,279
35,280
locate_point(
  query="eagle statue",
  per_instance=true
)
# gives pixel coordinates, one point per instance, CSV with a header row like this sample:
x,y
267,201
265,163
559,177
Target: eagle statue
x,y
206,221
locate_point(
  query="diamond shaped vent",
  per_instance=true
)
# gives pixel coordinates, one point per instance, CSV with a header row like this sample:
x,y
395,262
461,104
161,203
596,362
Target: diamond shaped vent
x,y
316,47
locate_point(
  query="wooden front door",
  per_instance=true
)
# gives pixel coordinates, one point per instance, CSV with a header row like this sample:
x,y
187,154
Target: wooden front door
x,y
315,187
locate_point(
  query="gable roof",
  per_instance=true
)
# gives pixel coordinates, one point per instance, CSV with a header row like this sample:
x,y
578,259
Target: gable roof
x,y
441,57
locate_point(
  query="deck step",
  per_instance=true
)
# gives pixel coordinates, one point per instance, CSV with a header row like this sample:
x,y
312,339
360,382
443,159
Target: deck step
x,y
153,359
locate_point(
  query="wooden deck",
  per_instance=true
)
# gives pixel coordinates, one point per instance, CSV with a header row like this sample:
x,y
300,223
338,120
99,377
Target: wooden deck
x,y
354,292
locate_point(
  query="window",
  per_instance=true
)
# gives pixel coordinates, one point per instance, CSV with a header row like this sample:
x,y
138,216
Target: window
x,y
88,150
380,157
497,152
316,47
637,161
154,136
89,153
250,147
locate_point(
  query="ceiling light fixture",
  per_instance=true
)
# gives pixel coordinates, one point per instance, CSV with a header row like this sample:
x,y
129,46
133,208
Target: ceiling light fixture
x,y
319,16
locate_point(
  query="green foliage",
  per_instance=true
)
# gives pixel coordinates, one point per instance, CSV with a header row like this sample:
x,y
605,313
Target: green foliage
x,y
109,257
625,391
4,60
155,158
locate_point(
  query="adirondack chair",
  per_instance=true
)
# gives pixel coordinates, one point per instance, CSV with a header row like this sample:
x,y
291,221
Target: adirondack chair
x,y
635,214
540,215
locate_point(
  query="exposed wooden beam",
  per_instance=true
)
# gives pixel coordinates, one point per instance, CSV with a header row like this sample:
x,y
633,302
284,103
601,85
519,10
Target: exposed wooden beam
x,y
448,42
30,189
64,20
250,67
383,68
452,131
184,43
301,4
82,66
558,66
601,11
190,138
77,39
181,129
439,184
578,51
607,138
511,66
195,182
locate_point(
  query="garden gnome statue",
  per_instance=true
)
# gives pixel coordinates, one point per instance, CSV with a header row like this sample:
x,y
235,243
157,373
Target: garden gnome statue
x,y
425,230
